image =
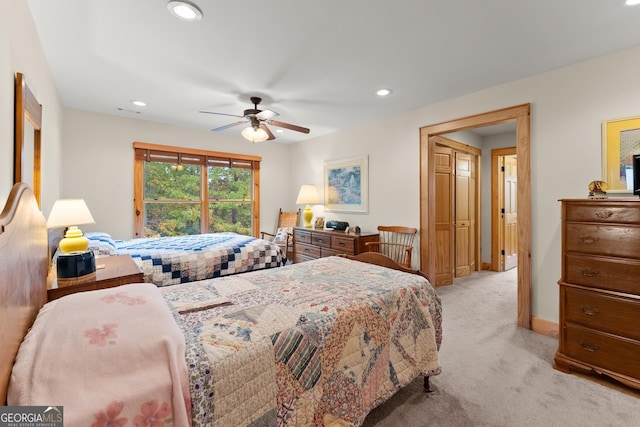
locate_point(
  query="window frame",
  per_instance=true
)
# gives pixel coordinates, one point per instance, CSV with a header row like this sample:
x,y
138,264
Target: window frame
x,y
143,151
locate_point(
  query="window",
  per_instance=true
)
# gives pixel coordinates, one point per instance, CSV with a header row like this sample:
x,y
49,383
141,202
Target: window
x,y
187,191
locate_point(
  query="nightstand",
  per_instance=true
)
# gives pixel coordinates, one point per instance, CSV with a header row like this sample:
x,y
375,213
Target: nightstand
x,y
110,272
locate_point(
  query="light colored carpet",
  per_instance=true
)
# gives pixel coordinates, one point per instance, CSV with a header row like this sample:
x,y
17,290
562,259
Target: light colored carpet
x,y
496,374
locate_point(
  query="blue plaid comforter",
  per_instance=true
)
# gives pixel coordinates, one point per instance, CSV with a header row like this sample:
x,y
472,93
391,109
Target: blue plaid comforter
x,y
171,260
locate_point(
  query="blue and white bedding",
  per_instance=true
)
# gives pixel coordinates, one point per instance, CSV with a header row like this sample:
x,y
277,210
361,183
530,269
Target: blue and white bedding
x,y
171,260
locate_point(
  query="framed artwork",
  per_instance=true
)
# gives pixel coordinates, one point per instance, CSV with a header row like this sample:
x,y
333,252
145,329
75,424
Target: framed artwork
x,y
346,185
620,141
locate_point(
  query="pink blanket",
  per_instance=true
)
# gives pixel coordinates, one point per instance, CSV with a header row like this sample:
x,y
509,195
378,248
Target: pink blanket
x,y
109,357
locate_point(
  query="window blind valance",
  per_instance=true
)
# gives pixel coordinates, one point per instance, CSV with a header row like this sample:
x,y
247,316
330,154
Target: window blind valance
x,y
167,154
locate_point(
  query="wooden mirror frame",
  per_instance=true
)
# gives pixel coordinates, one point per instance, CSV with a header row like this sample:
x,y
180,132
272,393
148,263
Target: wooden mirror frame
x,y
27,109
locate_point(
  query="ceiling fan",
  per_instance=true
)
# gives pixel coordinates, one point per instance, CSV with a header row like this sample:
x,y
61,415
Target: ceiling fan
x,y
258,119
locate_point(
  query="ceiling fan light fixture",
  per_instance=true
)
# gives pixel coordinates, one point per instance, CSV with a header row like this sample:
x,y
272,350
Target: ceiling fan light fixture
x,y
185,10
252,134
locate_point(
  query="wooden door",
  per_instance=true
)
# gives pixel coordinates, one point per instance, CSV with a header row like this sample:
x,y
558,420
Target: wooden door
x,y
444,232
462,214
510,213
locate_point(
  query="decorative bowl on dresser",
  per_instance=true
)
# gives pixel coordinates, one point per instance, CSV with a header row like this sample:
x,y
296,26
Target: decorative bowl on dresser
x,y
311,244
600,288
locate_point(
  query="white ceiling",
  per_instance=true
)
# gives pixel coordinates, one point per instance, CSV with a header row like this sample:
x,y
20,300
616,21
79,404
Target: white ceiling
x,y
319,63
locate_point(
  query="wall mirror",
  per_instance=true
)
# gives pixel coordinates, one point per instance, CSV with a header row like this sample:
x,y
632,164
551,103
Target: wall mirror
x,y
28,133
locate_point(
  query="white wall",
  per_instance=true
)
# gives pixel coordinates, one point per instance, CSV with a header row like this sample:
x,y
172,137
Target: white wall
x,y
98,165
568,106
21,51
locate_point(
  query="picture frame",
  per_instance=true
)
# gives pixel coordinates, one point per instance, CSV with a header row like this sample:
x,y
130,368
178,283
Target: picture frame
x,y
346,184
319,224
620,141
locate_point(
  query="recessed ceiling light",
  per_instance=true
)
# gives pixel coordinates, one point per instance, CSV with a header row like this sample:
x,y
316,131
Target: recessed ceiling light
x,y
279,130
383,92
632,2
139,103
185,10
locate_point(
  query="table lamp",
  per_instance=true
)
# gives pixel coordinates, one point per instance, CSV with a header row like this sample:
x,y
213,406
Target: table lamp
x,y
308,195
74,258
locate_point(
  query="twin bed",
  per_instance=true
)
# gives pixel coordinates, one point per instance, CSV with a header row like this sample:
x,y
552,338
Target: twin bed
x,y
171,260
309,344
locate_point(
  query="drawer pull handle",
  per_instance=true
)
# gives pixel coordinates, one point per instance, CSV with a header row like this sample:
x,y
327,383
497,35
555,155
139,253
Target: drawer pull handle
x,y
591,348
603,214
589,272
588,240
306,250
341,244
590,311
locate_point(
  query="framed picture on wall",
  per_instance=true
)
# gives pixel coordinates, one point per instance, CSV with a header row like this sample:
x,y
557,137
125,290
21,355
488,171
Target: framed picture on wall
x,y
620,141
346,185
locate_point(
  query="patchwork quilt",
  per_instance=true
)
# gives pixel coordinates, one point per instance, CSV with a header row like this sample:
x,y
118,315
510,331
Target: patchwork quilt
x,y
170,260
318,343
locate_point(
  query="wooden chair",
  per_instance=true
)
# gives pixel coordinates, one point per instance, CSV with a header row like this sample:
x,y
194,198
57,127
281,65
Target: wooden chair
x,y
396,242
284,232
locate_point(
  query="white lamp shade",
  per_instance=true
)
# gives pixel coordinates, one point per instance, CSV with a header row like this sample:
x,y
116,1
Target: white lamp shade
x,y
255,135
68,212
308,195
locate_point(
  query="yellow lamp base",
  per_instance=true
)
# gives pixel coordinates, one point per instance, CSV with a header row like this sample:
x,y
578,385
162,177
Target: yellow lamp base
x,y
307,214
74,241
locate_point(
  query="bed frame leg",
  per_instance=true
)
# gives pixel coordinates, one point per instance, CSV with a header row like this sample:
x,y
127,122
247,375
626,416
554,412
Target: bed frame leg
x,y
426,386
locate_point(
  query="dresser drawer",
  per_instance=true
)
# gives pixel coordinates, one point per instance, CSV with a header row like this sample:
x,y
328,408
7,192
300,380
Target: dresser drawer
x,y
320,239
307,250
612,240
616,274
343,244
603,212
603,350
607,313
330,252
302,236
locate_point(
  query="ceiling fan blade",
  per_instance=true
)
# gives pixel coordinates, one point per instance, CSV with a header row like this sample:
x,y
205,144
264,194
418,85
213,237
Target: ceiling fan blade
x,y
221,114
288,126
266,114
229,126
266,129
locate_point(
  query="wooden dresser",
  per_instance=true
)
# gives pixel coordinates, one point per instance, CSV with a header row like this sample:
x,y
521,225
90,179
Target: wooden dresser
x,y
310,244
600,288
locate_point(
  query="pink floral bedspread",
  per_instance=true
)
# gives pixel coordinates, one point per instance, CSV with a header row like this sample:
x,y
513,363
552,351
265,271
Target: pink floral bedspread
x,y
113,357
319,343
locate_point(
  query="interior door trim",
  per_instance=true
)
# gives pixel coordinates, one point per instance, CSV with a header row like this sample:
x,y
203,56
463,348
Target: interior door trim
x,y
521,115
496,237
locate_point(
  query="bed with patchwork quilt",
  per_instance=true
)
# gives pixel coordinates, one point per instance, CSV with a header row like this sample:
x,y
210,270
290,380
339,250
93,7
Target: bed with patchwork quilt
x,y
170,260
319,343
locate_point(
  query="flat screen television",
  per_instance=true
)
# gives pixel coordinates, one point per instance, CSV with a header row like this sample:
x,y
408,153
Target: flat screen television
x,y
636,174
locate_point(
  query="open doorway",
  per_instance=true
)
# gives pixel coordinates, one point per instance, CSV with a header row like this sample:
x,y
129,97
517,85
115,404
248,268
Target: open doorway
x,y
428,239
504,209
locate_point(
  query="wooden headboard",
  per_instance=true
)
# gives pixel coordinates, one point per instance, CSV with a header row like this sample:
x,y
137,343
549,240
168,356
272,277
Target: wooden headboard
x,y
23,274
